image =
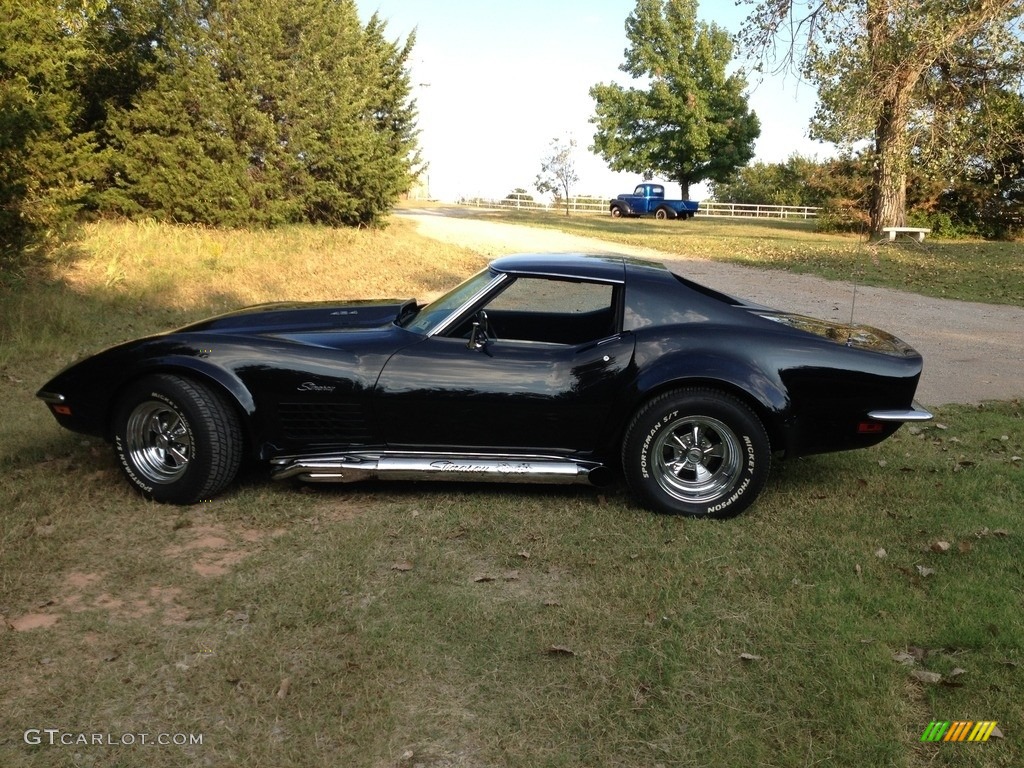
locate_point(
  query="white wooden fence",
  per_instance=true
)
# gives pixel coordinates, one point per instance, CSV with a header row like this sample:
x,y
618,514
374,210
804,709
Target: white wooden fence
x,y
710,209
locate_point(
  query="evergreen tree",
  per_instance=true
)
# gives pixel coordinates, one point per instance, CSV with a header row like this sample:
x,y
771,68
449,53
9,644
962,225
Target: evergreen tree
x,y
172,153
266,111
41,157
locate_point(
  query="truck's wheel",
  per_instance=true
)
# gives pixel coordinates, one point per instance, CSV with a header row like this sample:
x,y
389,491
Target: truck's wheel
x,y
616,212
696,452
661,213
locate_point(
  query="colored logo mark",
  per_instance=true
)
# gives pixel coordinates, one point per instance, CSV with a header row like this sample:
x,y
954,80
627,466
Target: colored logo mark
x,y
958,730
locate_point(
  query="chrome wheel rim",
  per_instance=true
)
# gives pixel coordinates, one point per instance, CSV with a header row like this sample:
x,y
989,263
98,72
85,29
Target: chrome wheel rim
x,y
697,459
158,442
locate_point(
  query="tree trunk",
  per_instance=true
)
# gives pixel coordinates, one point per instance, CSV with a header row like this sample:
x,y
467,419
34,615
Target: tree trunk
x,y
889,187
684,189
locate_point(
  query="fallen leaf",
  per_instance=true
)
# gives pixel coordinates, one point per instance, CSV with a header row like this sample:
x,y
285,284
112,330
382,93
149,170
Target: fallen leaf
x,y
111,655
941,546
559,650
996,733
956,672
881,554
857,570
284,688
403,566
925,676
904,658
882,463
524,554
964,547
925,571
917,652
483,578
511,576
749,657
1001,533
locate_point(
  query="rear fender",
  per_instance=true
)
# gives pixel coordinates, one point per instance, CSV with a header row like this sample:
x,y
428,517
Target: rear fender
x,y
761,390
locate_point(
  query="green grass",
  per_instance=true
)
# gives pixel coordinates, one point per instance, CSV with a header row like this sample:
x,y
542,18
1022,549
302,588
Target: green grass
x,y
459,625
990,272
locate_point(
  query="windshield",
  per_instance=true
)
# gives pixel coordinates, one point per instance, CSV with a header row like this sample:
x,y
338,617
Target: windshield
x,y
437,310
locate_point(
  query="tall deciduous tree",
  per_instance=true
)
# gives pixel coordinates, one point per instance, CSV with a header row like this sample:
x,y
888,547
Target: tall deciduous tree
x,y
872,61
689,121
558,171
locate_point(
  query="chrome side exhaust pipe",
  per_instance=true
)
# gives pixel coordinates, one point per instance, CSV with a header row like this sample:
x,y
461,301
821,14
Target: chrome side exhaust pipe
x,y
350,468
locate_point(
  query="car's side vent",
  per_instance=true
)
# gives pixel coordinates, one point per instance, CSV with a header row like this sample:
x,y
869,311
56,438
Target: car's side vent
x,y
326,422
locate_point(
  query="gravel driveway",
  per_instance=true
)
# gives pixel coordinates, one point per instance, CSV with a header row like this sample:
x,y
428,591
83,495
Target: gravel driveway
x,y
972,352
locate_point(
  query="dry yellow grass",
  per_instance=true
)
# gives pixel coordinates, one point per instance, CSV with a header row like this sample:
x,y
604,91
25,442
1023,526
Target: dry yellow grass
x,y
189,267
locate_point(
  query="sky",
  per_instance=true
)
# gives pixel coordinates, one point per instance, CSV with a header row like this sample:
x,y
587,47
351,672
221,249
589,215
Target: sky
x,y
495,82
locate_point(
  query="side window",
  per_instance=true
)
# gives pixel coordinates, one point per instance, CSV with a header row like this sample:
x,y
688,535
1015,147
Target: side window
x,y
553,311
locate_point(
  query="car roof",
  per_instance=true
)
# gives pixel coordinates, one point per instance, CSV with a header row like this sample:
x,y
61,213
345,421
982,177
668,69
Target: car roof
x,y
605,268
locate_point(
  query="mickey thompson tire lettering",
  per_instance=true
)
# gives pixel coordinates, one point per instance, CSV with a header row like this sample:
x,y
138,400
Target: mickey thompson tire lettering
x,y
177,440
697,452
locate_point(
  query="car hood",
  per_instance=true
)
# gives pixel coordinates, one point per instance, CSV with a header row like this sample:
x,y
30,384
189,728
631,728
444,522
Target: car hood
x,y
856,336
298,317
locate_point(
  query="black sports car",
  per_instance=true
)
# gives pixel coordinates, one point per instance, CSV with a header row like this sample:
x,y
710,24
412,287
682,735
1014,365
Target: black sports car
x,y
540,368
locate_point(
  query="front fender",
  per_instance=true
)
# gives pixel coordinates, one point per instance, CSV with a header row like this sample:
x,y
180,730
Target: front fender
x,y
195,365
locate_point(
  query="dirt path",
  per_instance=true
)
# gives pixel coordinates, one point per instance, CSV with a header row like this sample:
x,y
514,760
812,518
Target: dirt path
x,y
972,352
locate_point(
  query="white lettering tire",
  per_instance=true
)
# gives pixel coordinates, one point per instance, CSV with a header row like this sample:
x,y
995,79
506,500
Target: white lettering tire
x,y
177,441
696,452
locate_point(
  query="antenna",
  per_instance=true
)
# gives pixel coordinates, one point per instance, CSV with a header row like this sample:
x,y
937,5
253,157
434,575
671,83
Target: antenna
x,y
853,302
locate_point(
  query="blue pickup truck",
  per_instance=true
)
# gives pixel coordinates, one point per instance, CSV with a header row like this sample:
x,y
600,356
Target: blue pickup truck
x,y
649,200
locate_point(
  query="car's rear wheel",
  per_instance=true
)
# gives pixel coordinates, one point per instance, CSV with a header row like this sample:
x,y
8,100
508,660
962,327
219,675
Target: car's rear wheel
x,y
661,213
177,440
696,452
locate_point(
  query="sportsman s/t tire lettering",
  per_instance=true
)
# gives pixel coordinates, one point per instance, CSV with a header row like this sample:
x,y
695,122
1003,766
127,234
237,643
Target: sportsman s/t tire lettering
x,y
696,452
177,440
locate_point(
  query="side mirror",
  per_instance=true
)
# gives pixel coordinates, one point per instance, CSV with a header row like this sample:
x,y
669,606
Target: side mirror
x,y
477,337
478,334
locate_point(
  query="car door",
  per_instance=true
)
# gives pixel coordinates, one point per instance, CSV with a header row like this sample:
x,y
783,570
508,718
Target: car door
x,y
541,378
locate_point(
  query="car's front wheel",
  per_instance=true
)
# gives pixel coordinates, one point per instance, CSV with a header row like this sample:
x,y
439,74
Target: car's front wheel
x,y
177,440
696,452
